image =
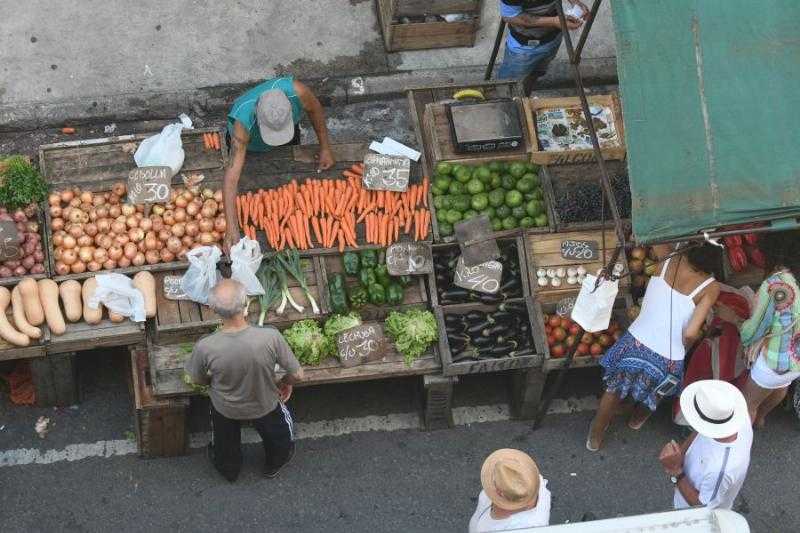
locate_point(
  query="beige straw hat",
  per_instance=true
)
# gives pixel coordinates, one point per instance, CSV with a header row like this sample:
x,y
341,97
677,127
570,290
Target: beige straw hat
x,y
510,479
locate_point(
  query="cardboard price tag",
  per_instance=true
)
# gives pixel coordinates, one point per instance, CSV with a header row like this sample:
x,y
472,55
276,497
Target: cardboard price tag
x,y
483,278
580,250
404,258
149,185
10,246
565,305
386,172
360,344
475,238
172,288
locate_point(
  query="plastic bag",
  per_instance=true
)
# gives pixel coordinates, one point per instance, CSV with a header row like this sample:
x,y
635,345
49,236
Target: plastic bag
x,y
164,149
202,274
245,260
118,294
593,308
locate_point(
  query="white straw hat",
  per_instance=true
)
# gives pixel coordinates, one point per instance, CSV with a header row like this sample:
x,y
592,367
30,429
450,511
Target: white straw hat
x,y
715,409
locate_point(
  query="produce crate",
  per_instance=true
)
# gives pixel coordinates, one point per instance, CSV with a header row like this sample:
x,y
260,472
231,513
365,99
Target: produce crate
x,y
533,106
37,347
398,36
81,336
185,320
439,249
415,294
55,379
420,97
452,368
544,252
41,219
575,195
160,425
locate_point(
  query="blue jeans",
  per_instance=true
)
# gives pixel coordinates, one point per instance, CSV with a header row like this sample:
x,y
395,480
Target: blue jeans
x,y
531,61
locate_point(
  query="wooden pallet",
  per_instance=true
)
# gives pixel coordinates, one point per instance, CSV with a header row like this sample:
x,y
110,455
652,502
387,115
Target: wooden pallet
x,y
160,425
535,105
426,35
55,379
37,347
81,336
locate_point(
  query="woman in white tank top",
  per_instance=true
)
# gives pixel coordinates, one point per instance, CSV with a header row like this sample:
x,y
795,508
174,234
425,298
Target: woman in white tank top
x,y
673,311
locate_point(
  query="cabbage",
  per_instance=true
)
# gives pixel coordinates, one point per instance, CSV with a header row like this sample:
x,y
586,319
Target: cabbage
x,y
308,342
338,323
412,331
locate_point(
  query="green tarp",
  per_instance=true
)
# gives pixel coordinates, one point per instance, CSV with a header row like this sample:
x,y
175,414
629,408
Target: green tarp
x,y
711,102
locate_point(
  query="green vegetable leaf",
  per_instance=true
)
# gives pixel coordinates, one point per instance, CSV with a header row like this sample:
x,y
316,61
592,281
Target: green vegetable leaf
x,y
412,332
308,342
20,184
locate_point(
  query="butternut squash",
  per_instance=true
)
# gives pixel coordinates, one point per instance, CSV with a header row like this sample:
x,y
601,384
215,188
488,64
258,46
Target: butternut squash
x,y
48,295
30,301
145,282
114,317
90,316
70,292
19,316
7,331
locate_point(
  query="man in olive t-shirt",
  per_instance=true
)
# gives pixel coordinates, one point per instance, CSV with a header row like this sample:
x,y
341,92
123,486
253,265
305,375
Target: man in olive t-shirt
x,y
238,362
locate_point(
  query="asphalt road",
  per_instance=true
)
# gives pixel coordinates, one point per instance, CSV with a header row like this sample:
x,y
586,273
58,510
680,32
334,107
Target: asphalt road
x,y
406,480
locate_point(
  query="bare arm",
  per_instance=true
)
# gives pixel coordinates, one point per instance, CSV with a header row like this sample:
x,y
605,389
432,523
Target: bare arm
x,y
316,115
701,310
689,493
523,20
230,183
291,379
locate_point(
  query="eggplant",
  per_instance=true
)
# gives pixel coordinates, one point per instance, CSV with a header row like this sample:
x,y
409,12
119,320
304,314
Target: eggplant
x,y
476,329
503,316
502,350
495,331
473,316
510,286
458,338
490,298
513,307
455,293
482,342
521,352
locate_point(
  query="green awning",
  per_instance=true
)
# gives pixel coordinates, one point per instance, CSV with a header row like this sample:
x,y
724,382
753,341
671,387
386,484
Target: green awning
x,y
711,102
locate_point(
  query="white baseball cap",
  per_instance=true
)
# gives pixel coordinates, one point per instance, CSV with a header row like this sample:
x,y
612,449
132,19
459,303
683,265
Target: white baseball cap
x,y
274,116
714,408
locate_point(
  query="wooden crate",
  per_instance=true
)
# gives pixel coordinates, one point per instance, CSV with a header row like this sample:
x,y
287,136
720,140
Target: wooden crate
x,y
37,347
160,425
523,267
425,35
415,293
534,105
41,219
451,368
55,379
544,251
557,180
81,336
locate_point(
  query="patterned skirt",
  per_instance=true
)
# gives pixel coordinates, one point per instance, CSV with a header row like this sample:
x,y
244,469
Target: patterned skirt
x,y
632,369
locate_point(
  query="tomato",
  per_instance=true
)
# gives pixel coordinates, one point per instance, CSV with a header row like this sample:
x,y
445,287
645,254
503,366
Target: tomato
x,y
557,350
583,349
559,334
547,329
570,341
587,338
554,321
574,329
595,349
551,340
604,340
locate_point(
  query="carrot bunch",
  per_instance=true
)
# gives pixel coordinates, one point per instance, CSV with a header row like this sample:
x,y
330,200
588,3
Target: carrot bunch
x,y
211,141
327,212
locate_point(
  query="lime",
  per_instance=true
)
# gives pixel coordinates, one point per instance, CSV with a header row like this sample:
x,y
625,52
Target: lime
x,y
445,229
442,183
497,224
457,187
469,213
437,192
463,174
527,222
508,181
474,186
533,208
494,166
496,182
509,223
531,176
453,216
441,215
541,221
444,168
519,212
480,201
525,185
483,173
461,203
503,211
489,212
517,169
538,194
513,198
497,197
446,202
437,201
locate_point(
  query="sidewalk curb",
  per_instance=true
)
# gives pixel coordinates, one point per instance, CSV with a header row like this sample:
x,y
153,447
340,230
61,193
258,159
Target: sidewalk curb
x,y
331,91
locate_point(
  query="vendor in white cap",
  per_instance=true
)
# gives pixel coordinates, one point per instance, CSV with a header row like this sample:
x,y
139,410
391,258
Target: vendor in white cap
x,y
514,494
709,468
264,117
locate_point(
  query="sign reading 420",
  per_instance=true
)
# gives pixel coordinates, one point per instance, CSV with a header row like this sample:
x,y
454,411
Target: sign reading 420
x,y
149,185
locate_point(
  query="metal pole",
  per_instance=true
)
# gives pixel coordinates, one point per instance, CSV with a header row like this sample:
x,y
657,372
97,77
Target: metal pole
x,y
497,40
586,29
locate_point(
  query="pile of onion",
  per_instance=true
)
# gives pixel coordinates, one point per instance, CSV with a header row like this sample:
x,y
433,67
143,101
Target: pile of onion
x,y
31,258
99,231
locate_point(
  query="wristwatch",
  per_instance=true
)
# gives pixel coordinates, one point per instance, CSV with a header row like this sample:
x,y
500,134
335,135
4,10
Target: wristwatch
x,y
676,479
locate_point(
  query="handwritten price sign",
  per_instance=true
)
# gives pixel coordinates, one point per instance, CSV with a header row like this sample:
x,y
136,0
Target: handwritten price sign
x,y
172,288
404,258
386,172
360,344
484,277
579,250
10,247
149,185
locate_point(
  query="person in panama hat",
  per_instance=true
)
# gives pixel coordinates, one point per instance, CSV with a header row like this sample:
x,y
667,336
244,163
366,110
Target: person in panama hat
x,y
514,494
710,467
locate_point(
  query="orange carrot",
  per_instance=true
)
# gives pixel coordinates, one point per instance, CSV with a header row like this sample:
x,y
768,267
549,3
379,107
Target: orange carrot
x,y
426,183
334,232
309,242
341,241
206,142
365,212
215,140
351,174
356,169
396,227
426,224
409,221
317,232
288,236
417,224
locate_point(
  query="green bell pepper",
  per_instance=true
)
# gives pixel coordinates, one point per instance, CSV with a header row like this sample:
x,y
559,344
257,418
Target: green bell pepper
x,y
338,296
395,294
351,263
369,258
377,294
358,297
382,275
367,277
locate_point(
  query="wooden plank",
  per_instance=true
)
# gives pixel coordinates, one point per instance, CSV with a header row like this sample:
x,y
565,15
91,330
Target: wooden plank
x,y
416,8
167,311
55,379
349,152
430,35
81,336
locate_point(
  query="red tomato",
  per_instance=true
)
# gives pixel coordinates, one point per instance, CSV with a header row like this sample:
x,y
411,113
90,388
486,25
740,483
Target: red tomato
x,y
574,329
604,340
547,329
570,341
551,340
554,321
583,349
559,334
595,349
587,338
557,350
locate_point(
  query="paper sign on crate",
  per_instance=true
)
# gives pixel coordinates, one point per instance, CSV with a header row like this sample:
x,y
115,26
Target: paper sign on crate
x,y
172,288
484,277
405,258
386,172
475,237
10,248
149,185
360,344
580,250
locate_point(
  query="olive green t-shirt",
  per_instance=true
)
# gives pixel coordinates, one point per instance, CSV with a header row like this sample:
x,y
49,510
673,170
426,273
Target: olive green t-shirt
x,y
240,367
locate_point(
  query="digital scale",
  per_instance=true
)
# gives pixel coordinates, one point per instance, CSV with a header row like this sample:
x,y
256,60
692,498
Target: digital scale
x,y
485,126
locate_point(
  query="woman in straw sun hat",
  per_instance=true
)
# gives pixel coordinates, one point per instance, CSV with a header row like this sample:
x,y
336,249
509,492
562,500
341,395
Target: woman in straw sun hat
x,y
514,494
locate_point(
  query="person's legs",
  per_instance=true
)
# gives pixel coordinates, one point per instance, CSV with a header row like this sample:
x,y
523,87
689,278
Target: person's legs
x,y
639,416
605,412
546,53
755,396
277,433
771,402
226,445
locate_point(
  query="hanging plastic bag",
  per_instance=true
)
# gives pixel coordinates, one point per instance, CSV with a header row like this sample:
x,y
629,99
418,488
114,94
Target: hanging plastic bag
x,y
164,149
117,293
245,260
202,274
593,307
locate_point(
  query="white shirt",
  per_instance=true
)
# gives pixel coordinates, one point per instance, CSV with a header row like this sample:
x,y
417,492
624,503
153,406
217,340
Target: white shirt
x,y
482,520
716,469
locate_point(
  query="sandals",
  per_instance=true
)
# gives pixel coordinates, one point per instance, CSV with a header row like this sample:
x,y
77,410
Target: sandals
x,y
589,439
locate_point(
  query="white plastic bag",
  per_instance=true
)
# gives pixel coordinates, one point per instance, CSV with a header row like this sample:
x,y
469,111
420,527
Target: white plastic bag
x,y
245,260
593,308
118,294
202,274
164,149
